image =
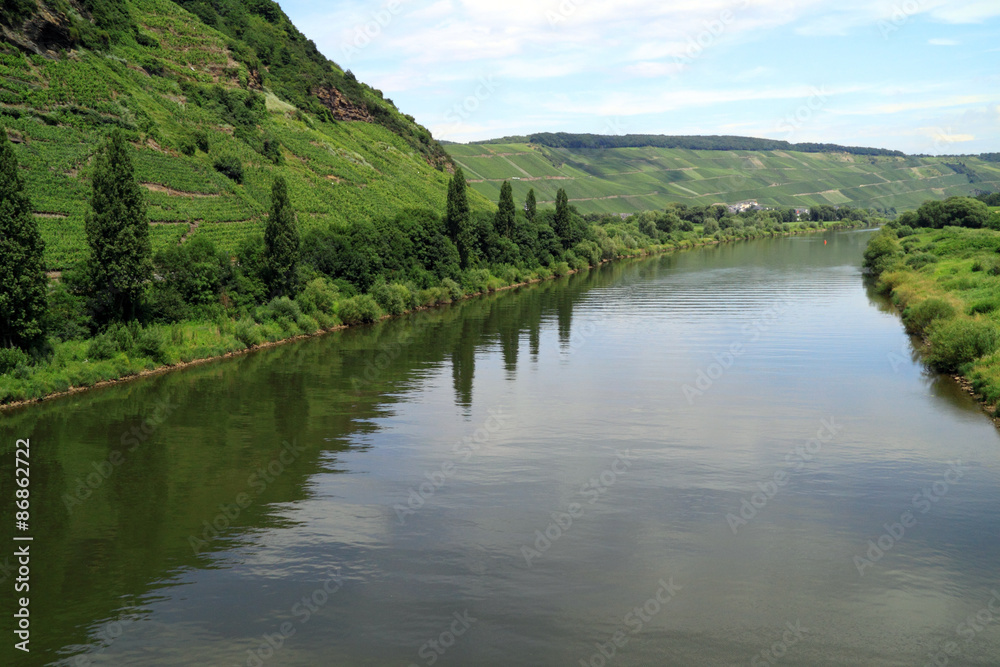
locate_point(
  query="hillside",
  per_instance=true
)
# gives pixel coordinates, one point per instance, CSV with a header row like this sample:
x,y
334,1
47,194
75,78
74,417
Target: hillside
x,y
635,178
235,81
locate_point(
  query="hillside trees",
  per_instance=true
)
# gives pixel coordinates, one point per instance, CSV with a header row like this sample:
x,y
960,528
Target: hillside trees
x,y
117,227
506,211
530,205
561,222
281,243
458,219
23,283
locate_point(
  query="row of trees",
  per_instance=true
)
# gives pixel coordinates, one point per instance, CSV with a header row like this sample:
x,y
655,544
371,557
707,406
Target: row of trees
x,y
417,249
120,280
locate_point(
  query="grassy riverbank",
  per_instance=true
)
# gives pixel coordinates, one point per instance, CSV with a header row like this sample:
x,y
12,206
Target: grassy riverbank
x,y
946,284
128,351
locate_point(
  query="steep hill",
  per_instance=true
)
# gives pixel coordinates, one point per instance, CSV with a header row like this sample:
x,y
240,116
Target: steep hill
x,y
631,175
229,85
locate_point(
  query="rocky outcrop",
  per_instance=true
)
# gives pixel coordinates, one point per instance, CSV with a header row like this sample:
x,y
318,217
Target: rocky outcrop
x,y
45,33
341,107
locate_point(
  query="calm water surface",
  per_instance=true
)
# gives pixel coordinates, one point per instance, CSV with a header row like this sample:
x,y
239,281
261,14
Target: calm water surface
x,y
727,456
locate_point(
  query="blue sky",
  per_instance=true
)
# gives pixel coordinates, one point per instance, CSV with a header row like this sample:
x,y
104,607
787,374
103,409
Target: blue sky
x,y
922,76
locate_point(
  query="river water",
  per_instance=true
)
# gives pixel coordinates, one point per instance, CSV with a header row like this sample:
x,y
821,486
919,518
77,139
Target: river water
x,y
725,456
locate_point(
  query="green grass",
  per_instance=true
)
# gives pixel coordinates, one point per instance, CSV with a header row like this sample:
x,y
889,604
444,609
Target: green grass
x,y
954,302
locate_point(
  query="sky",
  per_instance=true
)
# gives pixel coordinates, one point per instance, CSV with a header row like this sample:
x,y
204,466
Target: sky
x,y
921,76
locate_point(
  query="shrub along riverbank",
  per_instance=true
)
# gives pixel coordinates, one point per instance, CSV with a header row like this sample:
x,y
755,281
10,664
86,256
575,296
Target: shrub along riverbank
x,y
123,351
124,311
945,280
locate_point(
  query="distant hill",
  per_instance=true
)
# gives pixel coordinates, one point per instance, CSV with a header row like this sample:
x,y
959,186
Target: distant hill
x,y
624,174
193,83
692,142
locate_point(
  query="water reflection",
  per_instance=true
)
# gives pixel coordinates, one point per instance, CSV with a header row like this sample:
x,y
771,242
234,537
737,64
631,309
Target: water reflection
x,y
376,455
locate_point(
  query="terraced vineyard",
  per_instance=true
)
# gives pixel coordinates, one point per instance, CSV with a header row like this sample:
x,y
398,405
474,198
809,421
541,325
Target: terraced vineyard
x,y
57,110
624,180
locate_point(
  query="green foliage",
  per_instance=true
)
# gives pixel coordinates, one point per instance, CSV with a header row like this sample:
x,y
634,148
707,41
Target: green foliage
x,y
918,317
458,221
393,298
506,212
247,332
530,205
12,358
319,294
230,167
119,265
920,260
196,269
359,309
958,341
956,211
882,252
561,221
13,12
23,283
281,242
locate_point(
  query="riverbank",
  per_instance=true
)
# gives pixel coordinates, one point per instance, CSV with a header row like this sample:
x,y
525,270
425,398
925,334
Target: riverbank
x,y
945,284
124,353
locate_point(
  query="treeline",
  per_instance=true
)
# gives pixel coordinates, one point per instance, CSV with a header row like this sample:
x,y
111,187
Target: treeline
x,y
989,198
952,212
125,309
695,142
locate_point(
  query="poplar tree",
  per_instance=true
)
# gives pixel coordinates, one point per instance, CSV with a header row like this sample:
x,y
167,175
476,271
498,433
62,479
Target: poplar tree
x,y
281,242
120,264
458,219
506,211
562,221
530,205
23,285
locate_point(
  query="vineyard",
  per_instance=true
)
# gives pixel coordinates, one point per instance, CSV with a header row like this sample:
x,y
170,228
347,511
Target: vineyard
x,y
177,93
625,180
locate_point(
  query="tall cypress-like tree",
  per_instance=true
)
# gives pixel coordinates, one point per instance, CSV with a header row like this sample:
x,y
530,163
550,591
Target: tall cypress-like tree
x,y
506,211
117,225
562,222
23,285
530,205
281,242
458,220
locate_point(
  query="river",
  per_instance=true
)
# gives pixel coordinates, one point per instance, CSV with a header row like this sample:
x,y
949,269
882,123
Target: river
x,y
723,456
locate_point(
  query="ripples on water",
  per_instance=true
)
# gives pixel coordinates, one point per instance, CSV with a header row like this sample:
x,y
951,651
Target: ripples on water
x,y
517,479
